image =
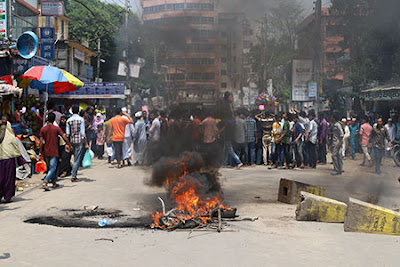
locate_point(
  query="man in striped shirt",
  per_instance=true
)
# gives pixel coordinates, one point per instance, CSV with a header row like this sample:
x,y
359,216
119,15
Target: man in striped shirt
x,y
75,130
251,138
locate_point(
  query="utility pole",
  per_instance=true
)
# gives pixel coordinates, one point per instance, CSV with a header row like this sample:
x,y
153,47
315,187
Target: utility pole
x,y
128,86
318,52
98,59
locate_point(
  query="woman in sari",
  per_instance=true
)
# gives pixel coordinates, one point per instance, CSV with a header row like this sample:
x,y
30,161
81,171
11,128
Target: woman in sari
x,y
10,156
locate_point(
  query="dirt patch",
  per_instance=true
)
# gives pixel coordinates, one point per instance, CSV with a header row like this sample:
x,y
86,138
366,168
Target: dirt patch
x,y
89,219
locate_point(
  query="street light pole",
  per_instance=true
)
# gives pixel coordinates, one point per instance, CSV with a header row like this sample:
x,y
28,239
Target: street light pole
x,y
318,56
98,59
128,102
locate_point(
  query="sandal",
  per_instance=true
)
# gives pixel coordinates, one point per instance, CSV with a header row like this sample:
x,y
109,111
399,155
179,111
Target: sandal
x,y
45,187
74,180
55,185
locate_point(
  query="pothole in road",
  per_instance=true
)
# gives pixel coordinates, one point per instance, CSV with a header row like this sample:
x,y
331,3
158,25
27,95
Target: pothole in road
x,y
89,219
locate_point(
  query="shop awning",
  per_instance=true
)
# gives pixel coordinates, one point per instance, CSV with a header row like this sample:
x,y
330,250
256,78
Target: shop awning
x,y
382,93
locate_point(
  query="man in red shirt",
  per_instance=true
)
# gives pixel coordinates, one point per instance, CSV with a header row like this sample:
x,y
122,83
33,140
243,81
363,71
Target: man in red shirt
x,y
49,134
118,124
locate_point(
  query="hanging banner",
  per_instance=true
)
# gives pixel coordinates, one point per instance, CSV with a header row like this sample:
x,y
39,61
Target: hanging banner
x,y
301,76
47,43
312,91
3,18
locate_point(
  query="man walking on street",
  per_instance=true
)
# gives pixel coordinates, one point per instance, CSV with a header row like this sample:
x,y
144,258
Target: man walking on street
x,y
118,124
49,134
76,132
354,131
365,133
336,145
377,141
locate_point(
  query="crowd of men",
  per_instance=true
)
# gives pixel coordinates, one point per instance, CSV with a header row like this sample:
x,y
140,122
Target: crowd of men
x,y
231,139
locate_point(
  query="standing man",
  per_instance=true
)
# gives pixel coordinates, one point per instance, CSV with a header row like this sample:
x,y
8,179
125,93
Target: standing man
x,y
322,139
346,137
118,124
392,133
298,142
365,133
285,140
377,141
251,138
49,134
266,124
336,145
312,140
354,130
276,141
240,137
76,132
154,137
139,139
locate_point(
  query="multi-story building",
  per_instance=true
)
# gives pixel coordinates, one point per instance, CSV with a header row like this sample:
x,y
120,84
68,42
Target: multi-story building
x,y
237,35
333,54
190,39
205,50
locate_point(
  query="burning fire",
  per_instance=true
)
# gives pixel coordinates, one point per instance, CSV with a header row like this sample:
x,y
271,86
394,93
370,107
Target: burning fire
x,y
193,187
193,201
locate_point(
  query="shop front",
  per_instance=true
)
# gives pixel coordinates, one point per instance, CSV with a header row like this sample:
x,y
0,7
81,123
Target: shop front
x,y
383,100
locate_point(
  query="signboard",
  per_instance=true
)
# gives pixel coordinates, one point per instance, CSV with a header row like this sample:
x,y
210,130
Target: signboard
x,y
302,75
134,69
89,71
3,18
312,91
52,8
79,55
47,43
391,94
94,90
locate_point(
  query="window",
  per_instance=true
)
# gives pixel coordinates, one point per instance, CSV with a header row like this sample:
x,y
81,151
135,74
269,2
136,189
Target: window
x,y
223,85
176,77
223,72
201,76
234,59
170,7
223,60
179,6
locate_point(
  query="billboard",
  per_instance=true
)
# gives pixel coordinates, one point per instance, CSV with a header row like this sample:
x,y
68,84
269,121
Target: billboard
x,y
92,90
301,76
52,8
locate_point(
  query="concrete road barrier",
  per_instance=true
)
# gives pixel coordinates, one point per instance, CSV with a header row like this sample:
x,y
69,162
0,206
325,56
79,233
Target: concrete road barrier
x,y
289,191
320,209
368,218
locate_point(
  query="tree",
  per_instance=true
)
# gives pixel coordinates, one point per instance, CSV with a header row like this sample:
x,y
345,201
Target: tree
x,y
272,57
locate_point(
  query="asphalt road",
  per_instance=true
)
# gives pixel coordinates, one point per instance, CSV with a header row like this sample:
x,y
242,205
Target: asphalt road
x,y
275,239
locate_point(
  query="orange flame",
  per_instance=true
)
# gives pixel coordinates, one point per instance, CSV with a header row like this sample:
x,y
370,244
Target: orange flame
x,y
189,204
